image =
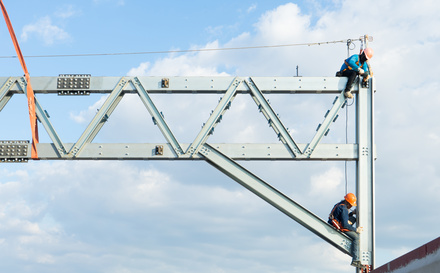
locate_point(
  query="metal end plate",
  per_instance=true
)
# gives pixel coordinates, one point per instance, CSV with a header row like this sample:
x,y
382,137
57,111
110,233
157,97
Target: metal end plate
x,y
14,151
73,84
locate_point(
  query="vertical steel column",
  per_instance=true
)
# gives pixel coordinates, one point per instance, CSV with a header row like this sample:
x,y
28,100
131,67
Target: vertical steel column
x,y
365,172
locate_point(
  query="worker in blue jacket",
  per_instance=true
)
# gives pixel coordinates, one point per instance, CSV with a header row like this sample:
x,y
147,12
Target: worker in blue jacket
x,y
356,65
342,220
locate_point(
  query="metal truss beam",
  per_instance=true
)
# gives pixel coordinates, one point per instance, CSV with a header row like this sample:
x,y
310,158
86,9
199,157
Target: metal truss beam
x,y
222,156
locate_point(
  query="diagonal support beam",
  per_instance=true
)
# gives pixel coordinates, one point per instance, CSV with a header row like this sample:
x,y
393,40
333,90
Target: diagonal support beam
x,y
11,83
324,126
215,117
276,198
273,118
157,117
4,97
100,118
43,117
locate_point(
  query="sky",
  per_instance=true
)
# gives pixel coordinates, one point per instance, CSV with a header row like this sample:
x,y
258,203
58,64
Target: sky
x,y
175,216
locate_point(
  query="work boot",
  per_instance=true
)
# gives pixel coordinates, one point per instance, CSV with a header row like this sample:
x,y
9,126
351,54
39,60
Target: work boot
x,y
358,264
348,95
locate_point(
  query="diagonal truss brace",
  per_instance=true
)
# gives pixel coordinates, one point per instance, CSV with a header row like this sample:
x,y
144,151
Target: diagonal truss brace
x,y
276,198
273,118
5,96
44,118
157,117
100,118
215,118
330,116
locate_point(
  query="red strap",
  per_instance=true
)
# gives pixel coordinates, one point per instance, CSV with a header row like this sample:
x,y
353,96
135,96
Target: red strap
x,y
29,90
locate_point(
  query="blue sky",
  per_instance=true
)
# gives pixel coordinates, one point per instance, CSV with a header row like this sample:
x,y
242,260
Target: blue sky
x,y
103,216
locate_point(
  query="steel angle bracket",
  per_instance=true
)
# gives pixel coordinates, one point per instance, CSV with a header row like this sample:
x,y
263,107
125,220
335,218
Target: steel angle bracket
x,y
100,118
43,117
215,117
156,115
272,118
277,199
323,127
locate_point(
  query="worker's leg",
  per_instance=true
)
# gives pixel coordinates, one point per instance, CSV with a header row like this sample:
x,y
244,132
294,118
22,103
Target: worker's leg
x,y
355,245
351,75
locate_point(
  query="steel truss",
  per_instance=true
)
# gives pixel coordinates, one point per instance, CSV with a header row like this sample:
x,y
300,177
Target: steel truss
x,y
222,156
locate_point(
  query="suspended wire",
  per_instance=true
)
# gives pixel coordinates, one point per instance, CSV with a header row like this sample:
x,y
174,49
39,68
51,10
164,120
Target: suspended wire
x,y
179,51
350,46
346,142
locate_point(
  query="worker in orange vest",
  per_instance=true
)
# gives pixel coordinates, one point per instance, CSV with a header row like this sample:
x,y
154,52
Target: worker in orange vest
x,y
343,220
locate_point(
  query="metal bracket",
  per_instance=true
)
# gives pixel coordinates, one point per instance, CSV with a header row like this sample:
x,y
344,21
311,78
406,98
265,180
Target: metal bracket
x,y
73,84
158,150
165,83
14,151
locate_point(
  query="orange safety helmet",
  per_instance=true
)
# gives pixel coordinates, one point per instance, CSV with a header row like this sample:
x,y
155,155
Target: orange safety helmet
x,y
351,198
369,52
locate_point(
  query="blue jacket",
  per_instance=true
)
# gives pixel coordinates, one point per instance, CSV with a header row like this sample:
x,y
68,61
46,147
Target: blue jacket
x,y
340,213
353,63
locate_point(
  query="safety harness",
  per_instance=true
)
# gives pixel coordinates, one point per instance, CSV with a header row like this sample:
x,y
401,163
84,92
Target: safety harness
x,y
348,66
334,221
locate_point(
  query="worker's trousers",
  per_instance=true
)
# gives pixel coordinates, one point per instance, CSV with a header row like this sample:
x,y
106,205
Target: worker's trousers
x,y
351,75
355,245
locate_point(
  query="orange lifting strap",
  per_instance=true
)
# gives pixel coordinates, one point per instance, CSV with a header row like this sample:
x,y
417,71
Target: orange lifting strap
x,y
29,90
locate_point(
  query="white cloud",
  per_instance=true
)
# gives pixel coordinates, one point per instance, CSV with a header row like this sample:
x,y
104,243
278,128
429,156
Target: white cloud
x,y
85,116
45,30
198,64
67,11
328,183
252,8
117,2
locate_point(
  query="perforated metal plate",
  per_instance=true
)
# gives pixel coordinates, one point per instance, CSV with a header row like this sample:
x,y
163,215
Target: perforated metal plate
x,y
73,84
14,150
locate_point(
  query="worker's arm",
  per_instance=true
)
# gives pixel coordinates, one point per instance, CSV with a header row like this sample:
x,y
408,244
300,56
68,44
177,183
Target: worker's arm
x,y
352,62
344,221
365,68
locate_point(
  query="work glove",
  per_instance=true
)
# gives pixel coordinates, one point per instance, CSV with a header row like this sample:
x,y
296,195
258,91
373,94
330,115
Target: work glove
x,y
359,229
361,71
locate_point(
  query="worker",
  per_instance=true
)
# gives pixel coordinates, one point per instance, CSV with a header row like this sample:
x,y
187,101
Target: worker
x,y
354,66
342,220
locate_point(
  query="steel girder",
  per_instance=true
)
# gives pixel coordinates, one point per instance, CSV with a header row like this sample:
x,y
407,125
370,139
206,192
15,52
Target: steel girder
x,y
224,156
